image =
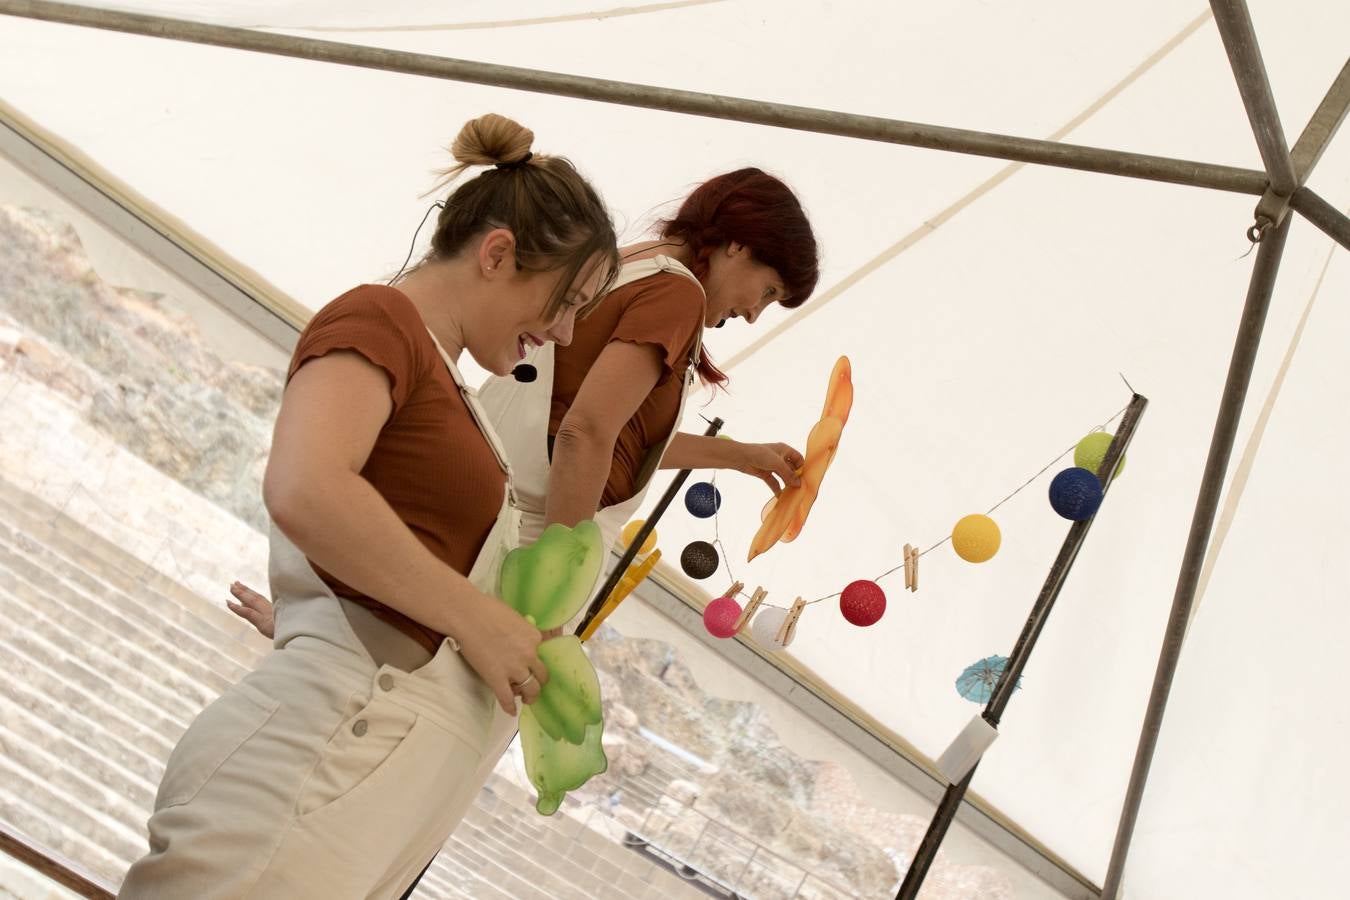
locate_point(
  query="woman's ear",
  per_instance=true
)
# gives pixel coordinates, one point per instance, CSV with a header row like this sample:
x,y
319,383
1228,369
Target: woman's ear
x,y
496,250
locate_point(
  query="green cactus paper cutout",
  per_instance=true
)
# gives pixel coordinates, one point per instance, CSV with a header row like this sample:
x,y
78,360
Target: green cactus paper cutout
x,y
556,767
548,583
570,702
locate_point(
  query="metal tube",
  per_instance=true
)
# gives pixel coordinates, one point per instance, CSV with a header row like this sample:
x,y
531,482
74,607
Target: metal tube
x,y
1073,542
1239,39
1026,642
1321,128
1322,214
647,527
780,115
1240,367
932,838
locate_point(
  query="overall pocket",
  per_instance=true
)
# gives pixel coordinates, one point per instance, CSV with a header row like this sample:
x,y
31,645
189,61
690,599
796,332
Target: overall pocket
x,y
213,737
364,743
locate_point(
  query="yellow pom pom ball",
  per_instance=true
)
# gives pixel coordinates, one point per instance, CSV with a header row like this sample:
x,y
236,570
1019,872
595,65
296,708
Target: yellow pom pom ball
x,y
630,533
1091,450
976,538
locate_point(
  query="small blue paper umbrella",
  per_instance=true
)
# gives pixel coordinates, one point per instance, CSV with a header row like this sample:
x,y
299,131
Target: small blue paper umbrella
x,y
977,682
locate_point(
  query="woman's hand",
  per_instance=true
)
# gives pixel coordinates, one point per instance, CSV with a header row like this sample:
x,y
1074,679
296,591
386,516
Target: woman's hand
x,y
503,649
777,465
500,645
253,608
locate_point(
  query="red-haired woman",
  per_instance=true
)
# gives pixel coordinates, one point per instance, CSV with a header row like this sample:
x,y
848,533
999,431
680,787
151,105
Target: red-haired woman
x,y
611,401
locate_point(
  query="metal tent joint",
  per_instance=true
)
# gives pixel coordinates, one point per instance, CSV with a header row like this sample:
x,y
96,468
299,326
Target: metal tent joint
x,y
1258,230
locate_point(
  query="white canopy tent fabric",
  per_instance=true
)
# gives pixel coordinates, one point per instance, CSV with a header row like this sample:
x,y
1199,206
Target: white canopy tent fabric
x,y
987,325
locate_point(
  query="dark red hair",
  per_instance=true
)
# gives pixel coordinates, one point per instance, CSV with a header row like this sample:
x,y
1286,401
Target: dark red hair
x,y
753,208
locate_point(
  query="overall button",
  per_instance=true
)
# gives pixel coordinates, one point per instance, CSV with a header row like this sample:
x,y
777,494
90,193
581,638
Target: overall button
x,y
386,682
359,727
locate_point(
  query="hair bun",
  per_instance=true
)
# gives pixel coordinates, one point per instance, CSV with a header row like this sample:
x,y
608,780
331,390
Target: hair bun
x,y
490,140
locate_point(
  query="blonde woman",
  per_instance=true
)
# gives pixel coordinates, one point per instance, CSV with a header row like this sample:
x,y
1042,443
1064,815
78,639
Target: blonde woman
x,y
340,765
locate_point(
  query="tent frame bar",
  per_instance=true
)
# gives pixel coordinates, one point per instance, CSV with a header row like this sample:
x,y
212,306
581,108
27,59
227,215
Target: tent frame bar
x,y
1239,39
1322,127
1280,186
1244,53
937,137
1240,368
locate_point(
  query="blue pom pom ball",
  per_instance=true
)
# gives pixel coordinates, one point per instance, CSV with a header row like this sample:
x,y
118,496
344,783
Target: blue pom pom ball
x,y
703,500
1075,494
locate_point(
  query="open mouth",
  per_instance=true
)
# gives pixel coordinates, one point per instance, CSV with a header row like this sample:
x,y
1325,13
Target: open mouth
x,y
526,341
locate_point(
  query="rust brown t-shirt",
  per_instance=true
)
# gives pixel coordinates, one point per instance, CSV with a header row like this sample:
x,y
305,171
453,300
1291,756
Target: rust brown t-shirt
x,y
665,310
430,462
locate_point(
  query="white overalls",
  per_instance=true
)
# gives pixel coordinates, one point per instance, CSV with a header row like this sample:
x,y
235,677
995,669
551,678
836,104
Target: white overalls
x,y
520,415
324,773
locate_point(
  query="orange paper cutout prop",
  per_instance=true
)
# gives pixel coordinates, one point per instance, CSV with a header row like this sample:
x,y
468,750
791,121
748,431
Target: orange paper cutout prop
x,y
785,515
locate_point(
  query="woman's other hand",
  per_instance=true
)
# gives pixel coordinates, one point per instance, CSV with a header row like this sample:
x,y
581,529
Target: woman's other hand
x,y
253,608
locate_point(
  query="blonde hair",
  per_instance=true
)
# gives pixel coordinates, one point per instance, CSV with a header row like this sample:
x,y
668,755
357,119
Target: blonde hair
x,y
489,140
556,216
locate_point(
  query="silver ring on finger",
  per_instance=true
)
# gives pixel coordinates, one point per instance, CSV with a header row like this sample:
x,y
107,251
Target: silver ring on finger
x,y
518,685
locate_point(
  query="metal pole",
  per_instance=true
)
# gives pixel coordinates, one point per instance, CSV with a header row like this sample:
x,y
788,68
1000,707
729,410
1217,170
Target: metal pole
x,y
757,112
1323,215
647,527
1026,642
1321,128
1239,39
1211,485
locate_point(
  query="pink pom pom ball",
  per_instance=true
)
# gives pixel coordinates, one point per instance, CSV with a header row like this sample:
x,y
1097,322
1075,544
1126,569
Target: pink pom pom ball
x,y
720,617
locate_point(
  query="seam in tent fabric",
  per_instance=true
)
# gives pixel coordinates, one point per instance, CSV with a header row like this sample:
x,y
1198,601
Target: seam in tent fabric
x,y
596,15
932,224
1242,473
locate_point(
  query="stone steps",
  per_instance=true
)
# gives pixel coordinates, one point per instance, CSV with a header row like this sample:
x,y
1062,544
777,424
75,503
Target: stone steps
x,y
43,613
102,811
23,724
94,561
29,662
58,825
109,667
182,621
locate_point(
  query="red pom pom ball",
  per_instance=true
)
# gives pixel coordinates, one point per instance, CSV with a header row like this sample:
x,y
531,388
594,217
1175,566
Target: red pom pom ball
x,y
863,603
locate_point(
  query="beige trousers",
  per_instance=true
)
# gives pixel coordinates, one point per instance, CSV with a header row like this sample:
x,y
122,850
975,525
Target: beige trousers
x,y
321,774
326,773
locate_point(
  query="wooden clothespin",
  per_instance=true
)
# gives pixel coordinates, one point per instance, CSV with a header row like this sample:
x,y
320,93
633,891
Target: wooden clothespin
x,y
788,630
751,608
736,588
911,567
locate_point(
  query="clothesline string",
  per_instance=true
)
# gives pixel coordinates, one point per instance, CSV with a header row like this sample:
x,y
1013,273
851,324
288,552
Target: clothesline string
x,y
726,558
